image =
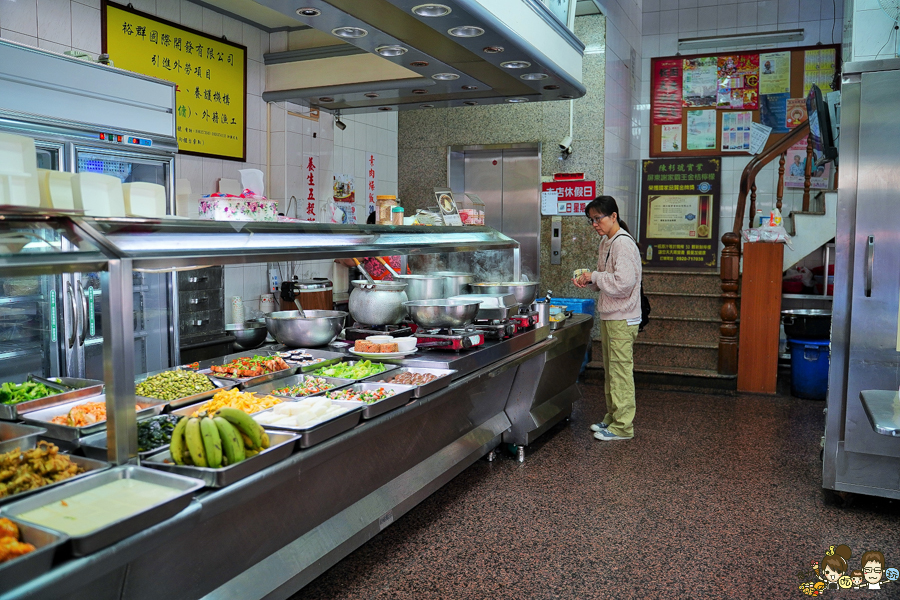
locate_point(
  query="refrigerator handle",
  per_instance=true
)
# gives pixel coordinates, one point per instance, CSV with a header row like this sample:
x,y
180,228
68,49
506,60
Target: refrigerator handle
x,y
74,313
84,310
870,264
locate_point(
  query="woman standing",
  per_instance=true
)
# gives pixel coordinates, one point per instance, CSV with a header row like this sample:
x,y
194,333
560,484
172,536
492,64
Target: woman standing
x,y
618,279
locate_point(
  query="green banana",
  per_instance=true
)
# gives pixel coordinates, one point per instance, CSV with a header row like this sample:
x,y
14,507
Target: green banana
x,y
265,440
194,439
176,445
244,423
212,442
232,444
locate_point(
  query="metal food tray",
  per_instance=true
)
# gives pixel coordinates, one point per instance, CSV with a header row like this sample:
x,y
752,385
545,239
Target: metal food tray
x,y
16,435
150,407
370,411
318,433
84,388
95,446
330,358
270,386
242,382
30,566
387,367
219,384
107,535
444,377
89,465
281,446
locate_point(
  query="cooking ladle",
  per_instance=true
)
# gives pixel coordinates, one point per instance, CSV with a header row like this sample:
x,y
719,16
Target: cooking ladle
x,y
387,266
364,272
299,308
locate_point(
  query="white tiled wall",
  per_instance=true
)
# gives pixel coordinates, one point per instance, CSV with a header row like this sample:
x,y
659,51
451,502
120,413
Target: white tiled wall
x,y
622,135
665,21
873,36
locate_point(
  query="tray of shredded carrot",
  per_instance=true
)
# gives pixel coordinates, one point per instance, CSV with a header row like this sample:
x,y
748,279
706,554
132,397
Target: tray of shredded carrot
x,y
248,402
81,418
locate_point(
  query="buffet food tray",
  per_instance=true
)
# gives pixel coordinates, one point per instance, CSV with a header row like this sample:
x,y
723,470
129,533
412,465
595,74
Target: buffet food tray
x,y
95,446
387,367
30,566
444,377
84,388
107,535
270,386
16,435
89,465
242,382
330,358
150,407
220,384
404,393
318,433
281,446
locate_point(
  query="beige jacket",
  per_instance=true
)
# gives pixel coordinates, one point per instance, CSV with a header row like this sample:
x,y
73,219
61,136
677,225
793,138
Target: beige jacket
x,y
619,281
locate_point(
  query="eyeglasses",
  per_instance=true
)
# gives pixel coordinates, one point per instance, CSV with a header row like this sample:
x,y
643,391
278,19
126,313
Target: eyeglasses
x,y
596,220
871,570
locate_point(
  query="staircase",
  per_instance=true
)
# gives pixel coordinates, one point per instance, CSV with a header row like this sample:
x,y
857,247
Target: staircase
x,y
681,343
810,229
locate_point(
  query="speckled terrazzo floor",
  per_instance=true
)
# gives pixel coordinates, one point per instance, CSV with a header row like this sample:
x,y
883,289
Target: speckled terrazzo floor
x,y
715,497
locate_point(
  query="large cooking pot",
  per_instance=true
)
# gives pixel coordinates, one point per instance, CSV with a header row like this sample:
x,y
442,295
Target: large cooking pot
x,y
807,324
524,291
441,313
422,287
455,282
316,328
379,303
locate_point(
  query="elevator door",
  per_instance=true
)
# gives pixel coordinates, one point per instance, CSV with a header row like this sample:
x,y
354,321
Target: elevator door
x,y
507,178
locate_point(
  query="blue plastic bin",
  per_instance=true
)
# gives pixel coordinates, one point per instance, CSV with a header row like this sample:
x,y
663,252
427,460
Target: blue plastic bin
x,y
809,368
584,306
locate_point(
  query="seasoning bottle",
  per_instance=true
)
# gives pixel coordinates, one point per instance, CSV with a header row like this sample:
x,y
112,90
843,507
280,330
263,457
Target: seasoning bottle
x,y
383,206
397,215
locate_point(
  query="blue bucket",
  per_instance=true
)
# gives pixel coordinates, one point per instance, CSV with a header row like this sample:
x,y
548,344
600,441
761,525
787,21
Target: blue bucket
x,y
809,368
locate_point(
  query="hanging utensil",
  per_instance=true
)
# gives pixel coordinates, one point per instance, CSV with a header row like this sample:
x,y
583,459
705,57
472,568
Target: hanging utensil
x,y
387,266
299,308
364,272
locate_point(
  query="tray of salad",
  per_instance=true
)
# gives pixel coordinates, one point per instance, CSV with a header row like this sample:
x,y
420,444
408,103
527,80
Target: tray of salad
x,y
354,369
299,386
378,398
248,370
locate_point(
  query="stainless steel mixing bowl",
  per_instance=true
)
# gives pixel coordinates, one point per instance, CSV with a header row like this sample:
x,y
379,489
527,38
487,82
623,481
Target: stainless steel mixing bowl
x,y
524,291
247,335
441,313
318,328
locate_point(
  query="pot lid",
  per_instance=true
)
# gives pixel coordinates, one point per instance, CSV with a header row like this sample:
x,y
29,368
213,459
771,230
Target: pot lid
x,y
387,286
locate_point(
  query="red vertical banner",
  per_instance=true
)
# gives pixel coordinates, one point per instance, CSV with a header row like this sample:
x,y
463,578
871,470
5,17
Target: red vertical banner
x,y
370,184
311,166
666,90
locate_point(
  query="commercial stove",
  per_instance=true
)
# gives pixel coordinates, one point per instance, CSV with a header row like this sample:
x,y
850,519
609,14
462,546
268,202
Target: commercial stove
x,y
360,331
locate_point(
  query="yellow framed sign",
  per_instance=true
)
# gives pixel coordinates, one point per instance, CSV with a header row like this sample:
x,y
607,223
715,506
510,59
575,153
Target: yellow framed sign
x,y
210,75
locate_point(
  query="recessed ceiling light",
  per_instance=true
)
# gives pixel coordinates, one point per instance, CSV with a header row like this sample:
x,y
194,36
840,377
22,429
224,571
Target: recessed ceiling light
x,y
566,96
385,108
517,100
326,99
350,32
419,63
492,49
551,87
432,10
426,106
470,103
309,12
445,76
469,88
466,31
420,91
533,76
391,50
371,95
515,64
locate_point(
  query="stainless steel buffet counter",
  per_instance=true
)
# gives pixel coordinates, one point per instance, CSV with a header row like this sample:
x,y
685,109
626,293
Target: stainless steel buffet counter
x,y
270,534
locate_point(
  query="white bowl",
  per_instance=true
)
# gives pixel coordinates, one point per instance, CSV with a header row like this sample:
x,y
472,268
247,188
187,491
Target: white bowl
x,y
380,339
405,344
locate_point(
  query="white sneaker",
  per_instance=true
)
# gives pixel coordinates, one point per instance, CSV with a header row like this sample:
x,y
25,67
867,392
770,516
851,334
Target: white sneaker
x,y
599,426
608,436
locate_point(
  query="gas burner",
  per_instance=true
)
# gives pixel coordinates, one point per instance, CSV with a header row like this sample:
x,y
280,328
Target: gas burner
x,y
526,319
452,339
496,330
361,332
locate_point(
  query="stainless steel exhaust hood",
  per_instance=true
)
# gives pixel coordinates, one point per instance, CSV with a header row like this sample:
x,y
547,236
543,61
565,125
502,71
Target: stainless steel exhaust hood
x,y
403,54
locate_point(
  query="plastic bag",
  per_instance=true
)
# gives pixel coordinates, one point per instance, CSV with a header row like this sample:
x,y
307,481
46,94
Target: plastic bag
x,y
806,276
773,231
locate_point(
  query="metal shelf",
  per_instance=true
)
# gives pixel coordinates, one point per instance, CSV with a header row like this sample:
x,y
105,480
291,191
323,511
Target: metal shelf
x,y
10,350
19,299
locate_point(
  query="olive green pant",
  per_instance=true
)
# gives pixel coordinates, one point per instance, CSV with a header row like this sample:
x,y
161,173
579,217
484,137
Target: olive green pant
x,y
618,365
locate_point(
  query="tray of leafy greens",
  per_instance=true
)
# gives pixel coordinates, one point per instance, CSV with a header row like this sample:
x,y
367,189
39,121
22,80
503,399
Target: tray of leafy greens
x,y
36,393
153,433
354,369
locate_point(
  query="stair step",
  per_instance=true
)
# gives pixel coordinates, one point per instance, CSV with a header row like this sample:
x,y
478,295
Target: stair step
x,y
684,305
705,373
650,376
671,354
660,281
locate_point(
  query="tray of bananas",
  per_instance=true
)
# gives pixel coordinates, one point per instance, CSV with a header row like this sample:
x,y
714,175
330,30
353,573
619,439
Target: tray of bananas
x,y
221,448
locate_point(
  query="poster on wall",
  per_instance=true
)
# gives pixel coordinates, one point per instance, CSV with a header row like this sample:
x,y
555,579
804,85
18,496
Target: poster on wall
x,y
773,111
680,220
571,196
795,111
818,68
671,138
795,168
701,130
738,81
667,92
210,73
698,87
736,131
343,206
775,73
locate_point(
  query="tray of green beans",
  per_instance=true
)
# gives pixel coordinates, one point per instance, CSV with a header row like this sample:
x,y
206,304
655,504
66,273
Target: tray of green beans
x,y
179,387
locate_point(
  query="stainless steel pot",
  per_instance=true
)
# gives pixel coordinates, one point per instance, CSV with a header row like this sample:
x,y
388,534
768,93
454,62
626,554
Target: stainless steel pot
x,y
455,282
524,291
495,307
441,313
317,328
423,287
807,324
379,303
247,335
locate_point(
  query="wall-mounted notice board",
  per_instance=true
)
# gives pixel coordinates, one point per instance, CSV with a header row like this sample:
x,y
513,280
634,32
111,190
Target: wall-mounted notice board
x,y
211,75
703,105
